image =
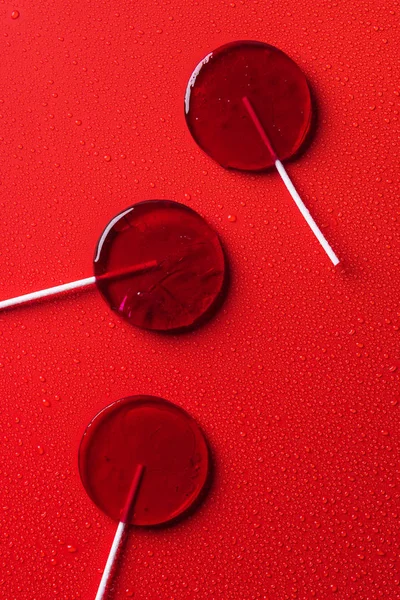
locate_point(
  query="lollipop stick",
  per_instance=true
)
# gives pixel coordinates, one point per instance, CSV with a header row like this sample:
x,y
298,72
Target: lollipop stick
x,y
288,183
58,289
305,212
73,285
119,534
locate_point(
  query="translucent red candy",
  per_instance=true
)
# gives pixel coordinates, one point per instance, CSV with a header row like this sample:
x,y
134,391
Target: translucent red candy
x,y
159,265
152,432
218,119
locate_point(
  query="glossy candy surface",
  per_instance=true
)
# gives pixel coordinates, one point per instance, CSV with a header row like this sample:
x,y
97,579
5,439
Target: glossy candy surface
x,y
218,119
156,434
181,259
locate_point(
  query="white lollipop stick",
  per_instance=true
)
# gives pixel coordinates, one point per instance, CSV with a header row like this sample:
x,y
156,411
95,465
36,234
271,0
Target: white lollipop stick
x,y
73,285
112,557
123,525
58,289
289,185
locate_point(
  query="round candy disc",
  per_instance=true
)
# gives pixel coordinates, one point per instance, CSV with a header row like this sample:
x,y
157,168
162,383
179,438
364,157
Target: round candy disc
x,y
152,432
218,119
159,265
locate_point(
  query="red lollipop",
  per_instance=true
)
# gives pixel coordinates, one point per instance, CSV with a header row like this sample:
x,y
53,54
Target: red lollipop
x,y
158,264
248,106
143,461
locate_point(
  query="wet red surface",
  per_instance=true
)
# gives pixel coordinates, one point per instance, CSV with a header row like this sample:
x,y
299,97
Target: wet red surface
x,y
295,380
159,265
218,118
147,431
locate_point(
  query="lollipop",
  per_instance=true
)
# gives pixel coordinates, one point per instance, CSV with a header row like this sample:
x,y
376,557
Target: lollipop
x,y
145,462
158,264
248,106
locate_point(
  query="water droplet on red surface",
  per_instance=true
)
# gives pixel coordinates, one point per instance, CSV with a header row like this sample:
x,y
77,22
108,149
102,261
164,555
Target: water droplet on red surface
x,y
149,431
159,265
218,119
15,14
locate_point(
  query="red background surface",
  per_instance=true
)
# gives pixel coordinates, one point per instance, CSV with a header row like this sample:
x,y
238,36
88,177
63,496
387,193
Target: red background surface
x,y
296,379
